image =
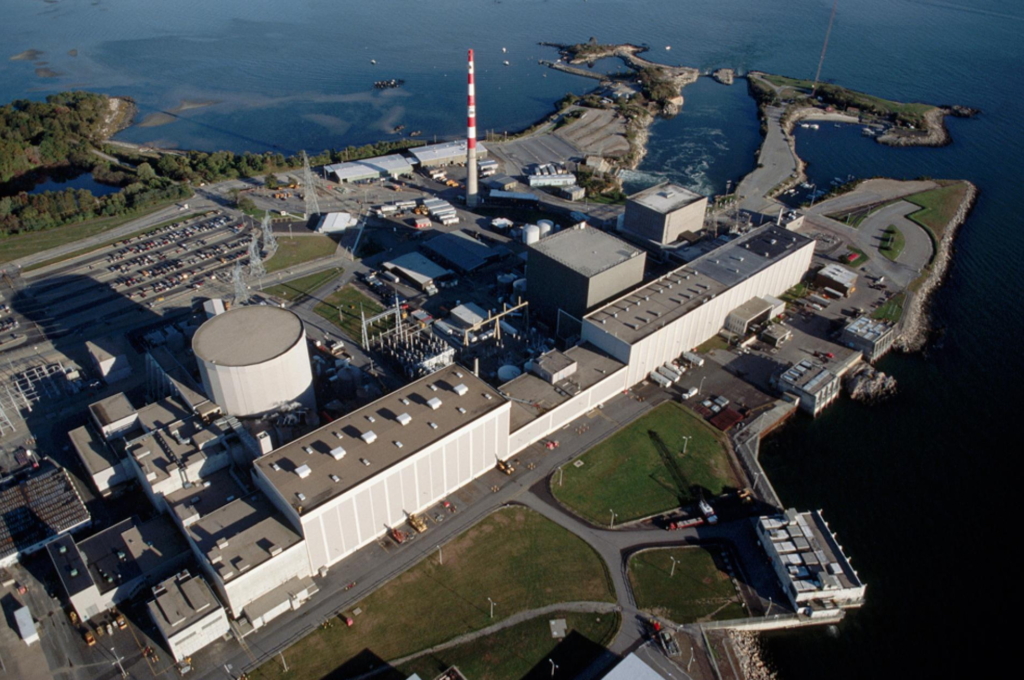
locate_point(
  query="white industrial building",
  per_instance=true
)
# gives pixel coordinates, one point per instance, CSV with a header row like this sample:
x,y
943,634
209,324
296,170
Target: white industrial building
x,y
335,222
663,213
809,562
754,311
113,416
392,166
445,153
187,614
345,483
680,310
106,469
254,360
812,383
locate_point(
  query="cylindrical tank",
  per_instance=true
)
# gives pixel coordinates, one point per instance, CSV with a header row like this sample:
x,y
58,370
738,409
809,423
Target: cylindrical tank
x,y
546,227
508,372
254,359
531,233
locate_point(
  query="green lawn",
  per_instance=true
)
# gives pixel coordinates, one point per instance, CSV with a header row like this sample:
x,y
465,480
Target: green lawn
x,y
293,250
342,308
713,343
15,247
627,473
892,243
699,590
514,556
795,293
892,310
938,206
861,258
511,653
298,289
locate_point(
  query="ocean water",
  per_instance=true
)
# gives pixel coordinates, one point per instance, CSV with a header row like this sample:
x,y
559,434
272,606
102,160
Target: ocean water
x,y
918,489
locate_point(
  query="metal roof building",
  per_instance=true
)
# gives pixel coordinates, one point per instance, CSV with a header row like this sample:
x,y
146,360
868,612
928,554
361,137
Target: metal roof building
x,y
421,270
462,252
392,165
873,337
335,221
37,509
254,360
446,153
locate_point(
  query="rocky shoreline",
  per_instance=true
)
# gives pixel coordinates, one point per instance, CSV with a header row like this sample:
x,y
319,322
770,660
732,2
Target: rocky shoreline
x,y
915,325
121,114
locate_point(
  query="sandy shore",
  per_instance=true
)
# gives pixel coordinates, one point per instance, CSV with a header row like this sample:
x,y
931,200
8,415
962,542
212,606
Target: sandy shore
x,y
166,117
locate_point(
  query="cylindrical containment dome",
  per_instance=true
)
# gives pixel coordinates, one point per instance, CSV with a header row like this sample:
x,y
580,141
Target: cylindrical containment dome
x,y
531,233
508,372
546,227
254,360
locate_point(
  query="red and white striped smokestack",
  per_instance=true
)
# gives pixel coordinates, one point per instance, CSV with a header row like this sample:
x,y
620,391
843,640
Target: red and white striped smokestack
x,y
471,187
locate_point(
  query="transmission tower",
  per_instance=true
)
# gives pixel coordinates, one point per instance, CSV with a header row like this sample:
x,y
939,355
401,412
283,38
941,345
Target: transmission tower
x,y
256,268
241,287
824,48
269,240
309,188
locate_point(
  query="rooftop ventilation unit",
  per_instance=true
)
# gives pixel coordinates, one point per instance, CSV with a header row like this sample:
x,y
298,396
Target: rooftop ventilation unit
x,y
404,419
337,453
458,374
337,434
275,467
301,496
335,478
275,550
433,426
369,436
371,419
303,471
308,450
433,387
364,462
487,396
404,401
222,543
398,444
434,404
460,409
460,389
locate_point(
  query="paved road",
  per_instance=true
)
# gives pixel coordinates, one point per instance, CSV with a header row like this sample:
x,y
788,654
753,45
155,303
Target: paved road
x,y
776,162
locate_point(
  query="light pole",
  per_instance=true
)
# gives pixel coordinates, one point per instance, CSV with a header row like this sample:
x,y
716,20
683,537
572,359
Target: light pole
x,y
492,607
767,611
701,387
612,522
440,555
690,662
560,471
554,667
117,662
673,572
686,442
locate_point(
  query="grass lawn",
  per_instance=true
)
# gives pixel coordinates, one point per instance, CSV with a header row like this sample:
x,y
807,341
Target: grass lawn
x,y
510,654
861,258
295,250
297,289
698,591
627,473
14,247
342,308
938,206
892,242
515,556
715,342
892,310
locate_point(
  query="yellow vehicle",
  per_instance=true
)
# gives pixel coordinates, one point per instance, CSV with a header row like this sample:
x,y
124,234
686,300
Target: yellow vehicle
x,y
507,468
417,523
89,638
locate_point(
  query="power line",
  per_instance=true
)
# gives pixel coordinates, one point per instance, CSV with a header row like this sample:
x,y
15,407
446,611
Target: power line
x,y
824,47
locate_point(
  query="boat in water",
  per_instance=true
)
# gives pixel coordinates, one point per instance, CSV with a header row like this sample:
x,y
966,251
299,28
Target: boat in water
x,y
398,128
389,84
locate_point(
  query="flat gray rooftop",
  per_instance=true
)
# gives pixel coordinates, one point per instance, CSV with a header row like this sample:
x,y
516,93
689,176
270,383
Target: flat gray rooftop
x,y
182,603
130,549
586,250
111,409
70,566
248,335
839,273
869,329
444,151
382,419
93,451
805,543
665,299
392,163
809,376
592,366
242,534
665,197
160,414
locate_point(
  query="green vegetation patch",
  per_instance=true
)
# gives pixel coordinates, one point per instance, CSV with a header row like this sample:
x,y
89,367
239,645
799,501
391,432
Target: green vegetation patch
x,y
795,293
892,309
892,243
712,343
343,307
510,654
861,258
631,474
938,207
297,289
698,590
843,98
514,556
293,250
23,245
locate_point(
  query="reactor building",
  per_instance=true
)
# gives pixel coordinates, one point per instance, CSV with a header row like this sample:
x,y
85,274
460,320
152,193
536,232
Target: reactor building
x,y
577,269
664,212
254,360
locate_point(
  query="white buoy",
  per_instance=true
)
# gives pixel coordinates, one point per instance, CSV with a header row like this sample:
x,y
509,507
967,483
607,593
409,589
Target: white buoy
x,y
505,62
668,47
373,61
504,50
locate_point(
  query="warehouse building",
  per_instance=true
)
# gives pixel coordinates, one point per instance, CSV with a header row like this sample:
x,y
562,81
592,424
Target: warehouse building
x,y
446,153
871,337
345,483
423,272
810,564
577,269
811,382
837,278
393,166
664,212
187,614
680,310
335,222
254,360
115,564
752,312
462,252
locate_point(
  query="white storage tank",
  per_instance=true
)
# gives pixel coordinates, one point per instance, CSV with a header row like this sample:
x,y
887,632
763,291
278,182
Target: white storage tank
x,y
546,228
254,359
531,233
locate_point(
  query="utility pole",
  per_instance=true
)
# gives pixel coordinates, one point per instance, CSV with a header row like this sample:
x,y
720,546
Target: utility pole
x,y
492,607
673,572
440,555
117,662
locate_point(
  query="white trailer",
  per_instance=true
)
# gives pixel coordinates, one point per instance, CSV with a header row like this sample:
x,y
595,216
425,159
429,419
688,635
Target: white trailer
x,y
660,379
668,375
693,358
672,372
